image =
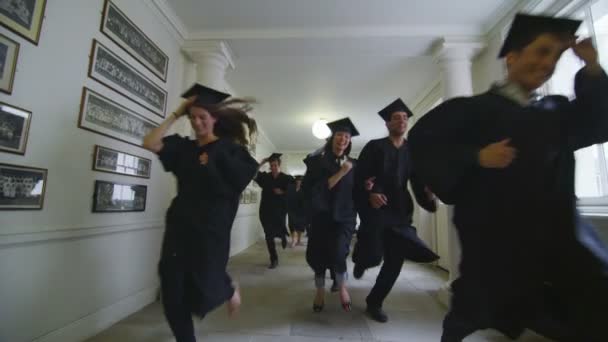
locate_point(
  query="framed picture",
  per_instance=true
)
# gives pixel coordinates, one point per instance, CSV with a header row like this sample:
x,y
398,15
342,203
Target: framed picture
x,y
14,128
24,17
108,160
117,197
122,31
9,52
101,115
113,72
21,187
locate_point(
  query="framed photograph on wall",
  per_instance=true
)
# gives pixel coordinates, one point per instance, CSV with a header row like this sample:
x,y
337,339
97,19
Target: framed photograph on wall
x,y
101,115
113,72
9,53
24,17
117,197
22,187
113,161
122,31
14,128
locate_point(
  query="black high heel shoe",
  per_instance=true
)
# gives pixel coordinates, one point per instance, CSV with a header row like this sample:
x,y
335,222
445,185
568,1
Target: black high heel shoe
x,y
347,306
317,307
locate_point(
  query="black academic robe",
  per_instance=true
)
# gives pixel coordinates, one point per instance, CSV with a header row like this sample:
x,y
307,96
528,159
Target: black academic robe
x,y
332,212
296,212
518,226
391,167
199,220
273,207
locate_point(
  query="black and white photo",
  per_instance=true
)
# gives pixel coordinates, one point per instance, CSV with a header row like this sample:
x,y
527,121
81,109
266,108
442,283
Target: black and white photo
x,y
14,128
24,17
121,30
21,187
118,197
101,115
112,71
114,161
9,53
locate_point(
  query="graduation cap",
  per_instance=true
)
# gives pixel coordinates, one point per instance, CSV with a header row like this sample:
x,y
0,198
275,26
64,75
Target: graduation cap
x,y
343,125
525,28
205,95
275,156
395,106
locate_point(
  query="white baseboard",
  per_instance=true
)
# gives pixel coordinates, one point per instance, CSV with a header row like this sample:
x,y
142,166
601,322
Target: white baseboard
x,y
96,322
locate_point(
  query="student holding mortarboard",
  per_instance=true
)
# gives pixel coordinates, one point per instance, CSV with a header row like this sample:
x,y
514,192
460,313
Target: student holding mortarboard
x,y
328,187
297,217
505,159
385,207
212,170
273,207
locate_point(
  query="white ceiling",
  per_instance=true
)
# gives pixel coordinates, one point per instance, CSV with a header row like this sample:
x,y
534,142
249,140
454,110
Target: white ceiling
x,y
310,59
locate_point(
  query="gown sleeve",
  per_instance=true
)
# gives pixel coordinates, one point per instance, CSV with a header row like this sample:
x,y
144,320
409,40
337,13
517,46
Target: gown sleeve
x,y
587,120
169,154
441,157
420,194
231,171
314,187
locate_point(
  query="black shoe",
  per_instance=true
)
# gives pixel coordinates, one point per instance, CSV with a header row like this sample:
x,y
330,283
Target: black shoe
x,y
317,308
358,271
284,243
377,314
273,264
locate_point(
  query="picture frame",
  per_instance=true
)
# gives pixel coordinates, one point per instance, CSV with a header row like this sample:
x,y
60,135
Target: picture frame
x,y
23,17
112,197
122,31
14,128
112,71
9,53
103,116
109,160
22,187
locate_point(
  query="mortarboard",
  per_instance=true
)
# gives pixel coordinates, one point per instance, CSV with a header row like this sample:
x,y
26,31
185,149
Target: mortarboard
x,y
395,106
205,95
275,156
525,28
343,125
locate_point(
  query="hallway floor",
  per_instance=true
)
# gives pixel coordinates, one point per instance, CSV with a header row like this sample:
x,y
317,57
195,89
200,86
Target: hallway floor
x,y
277,307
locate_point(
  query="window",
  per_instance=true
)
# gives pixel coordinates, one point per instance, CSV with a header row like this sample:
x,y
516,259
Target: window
x,y
591,162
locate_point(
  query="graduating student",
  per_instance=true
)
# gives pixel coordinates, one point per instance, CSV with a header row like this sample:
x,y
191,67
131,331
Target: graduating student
x,y
296,210
505,159
328,186
386,207
212,170
273,207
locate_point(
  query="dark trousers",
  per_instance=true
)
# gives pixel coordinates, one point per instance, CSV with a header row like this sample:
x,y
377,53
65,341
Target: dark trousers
x,y
174,292
390,270
272,249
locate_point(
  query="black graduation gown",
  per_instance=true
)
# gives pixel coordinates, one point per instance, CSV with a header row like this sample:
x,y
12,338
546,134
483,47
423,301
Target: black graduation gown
x,y
332,213
273,207
296,212
518,226
199,220
392,170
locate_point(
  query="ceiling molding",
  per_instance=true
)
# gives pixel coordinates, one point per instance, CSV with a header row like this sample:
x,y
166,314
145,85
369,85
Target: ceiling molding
x,y
169,19
502,19
335,32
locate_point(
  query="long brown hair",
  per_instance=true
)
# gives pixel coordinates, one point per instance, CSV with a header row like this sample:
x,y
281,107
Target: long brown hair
x,y
232,118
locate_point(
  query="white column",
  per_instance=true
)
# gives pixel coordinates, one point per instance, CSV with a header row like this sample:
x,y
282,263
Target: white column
x,y
212,60
454,57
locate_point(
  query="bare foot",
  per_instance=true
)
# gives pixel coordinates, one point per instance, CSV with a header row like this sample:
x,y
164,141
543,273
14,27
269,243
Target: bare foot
x,y
234,303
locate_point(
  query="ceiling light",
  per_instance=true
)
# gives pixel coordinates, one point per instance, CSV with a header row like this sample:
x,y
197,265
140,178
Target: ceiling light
x,y
320,129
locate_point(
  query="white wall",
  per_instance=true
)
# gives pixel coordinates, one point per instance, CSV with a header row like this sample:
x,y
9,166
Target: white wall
x,y
65,272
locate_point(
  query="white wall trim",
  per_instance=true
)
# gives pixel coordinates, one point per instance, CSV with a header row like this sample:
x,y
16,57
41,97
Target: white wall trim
x,y
169,19
93,323
16,239
336,32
